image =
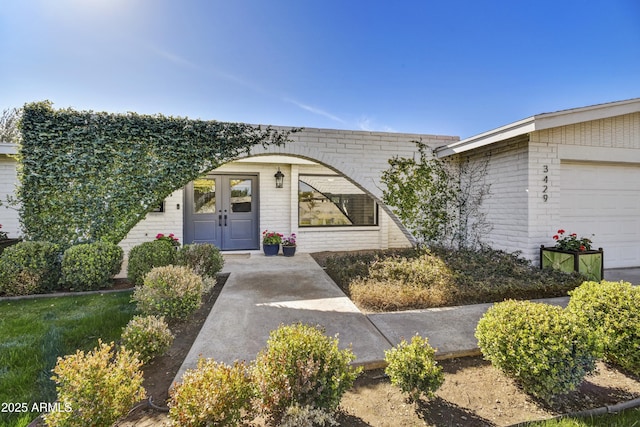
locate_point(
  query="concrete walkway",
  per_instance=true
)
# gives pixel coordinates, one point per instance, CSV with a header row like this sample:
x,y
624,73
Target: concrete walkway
x,y
262,293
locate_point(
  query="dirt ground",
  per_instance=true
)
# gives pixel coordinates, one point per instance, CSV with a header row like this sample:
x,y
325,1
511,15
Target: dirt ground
x,y
473,394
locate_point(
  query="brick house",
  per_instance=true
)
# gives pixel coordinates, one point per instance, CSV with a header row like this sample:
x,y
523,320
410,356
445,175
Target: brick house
x,y
575,169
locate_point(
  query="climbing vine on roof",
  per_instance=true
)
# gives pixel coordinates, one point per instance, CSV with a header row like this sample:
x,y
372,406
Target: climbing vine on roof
x,y
88,176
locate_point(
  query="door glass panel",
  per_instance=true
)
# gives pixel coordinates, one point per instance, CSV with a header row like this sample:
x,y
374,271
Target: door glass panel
x,y
240,195
204,195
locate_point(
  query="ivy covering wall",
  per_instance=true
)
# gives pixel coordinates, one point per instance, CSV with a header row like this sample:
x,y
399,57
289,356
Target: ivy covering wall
x,y
87,176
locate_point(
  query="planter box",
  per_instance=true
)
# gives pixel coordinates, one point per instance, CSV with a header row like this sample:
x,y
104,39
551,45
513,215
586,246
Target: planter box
x,y
589,263
8,242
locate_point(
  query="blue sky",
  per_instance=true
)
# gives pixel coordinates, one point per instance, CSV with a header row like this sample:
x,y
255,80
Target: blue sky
x,y
446,67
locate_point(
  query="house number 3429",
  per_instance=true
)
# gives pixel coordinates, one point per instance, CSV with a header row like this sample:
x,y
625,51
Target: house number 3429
x,y
545,186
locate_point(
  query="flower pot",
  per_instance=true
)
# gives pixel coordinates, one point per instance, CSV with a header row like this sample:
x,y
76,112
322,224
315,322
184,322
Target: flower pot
x,y
288,250
589,263
270,250
5,243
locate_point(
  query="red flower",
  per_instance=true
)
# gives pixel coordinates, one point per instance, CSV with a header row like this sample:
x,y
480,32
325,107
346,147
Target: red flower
x,y
561,231
556,237
573,235
159,236
582,248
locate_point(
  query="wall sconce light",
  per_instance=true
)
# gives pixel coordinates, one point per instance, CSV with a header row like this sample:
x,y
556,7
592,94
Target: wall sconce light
x,y
279,179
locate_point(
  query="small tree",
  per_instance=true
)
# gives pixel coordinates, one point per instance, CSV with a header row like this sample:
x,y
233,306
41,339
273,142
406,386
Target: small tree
x,y
9,129
439,200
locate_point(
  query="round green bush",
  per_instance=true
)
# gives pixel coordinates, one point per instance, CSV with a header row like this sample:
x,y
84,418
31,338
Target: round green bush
x,y
413,368
149,336
214,394
30,267
300,365
91,266
613,310
174,292
204,259
96,388
144,257
547,350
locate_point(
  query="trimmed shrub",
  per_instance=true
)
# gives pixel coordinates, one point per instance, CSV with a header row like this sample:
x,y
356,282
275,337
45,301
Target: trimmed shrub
x,y
97,388
30,267
149,336
203,258
91,266
613,310
413,368
300,365
144,257
212,394
174,292
306,416
544,348
435,277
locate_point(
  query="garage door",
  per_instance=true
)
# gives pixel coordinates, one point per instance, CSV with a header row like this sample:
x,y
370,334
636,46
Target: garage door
x,y
604,200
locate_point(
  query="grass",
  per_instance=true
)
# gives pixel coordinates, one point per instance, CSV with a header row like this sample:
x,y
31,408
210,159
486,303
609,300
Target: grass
x,y
35,332
413,279
629,418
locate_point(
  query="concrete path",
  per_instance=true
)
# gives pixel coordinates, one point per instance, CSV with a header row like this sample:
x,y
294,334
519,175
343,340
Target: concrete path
x,y
262,293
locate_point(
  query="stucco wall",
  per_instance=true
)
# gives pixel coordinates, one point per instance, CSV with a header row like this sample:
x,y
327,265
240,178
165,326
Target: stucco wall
x,y
8,181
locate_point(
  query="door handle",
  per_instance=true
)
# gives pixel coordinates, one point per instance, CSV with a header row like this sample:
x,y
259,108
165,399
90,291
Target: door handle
x,y
220,220
225,220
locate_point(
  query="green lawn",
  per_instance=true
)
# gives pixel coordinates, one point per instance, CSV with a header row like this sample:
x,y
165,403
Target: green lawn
x,y
33,333
630,418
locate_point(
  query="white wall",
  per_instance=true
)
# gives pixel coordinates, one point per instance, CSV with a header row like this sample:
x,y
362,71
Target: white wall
x,y
8,180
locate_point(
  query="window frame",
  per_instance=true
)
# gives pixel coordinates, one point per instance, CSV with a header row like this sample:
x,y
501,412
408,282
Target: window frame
x,y
376,206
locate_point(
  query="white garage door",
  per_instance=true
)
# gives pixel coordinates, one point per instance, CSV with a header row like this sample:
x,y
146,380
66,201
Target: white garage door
x,y
604,200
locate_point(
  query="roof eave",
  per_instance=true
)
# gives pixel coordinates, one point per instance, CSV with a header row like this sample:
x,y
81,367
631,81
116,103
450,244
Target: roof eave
x,y
511,130
8,148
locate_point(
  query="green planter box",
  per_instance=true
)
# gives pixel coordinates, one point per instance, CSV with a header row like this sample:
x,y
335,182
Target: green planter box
x,y
589,263
7,242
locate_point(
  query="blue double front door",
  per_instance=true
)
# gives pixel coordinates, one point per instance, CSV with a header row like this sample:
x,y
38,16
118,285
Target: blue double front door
x,y
223,210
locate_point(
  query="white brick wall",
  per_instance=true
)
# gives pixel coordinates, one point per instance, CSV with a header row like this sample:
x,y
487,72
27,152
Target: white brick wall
x,y
506,205
169,221
361,156
8,181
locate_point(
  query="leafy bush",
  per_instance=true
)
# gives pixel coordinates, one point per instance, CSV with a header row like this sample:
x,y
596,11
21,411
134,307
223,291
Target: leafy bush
x,y
97,388
413,368
612,309
171,291
422,278
29,267
300,365
91,266
145,256
212,394
306,416
149,336
547,350
203,258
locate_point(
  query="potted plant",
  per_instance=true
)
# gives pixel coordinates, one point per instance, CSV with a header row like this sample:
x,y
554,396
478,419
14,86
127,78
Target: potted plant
x,y
289,245
571,253
271,242
5,241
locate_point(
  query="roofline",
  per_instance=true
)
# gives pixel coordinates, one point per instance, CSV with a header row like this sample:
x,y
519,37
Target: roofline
x,y
8,148
541,122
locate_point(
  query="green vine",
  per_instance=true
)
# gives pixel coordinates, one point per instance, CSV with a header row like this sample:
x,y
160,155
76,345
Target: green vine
x,y
88,176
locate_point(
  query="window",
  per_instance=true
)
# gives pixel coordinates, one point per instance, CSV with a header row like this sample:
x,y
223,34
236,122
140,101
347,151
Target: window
x,y
331,200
